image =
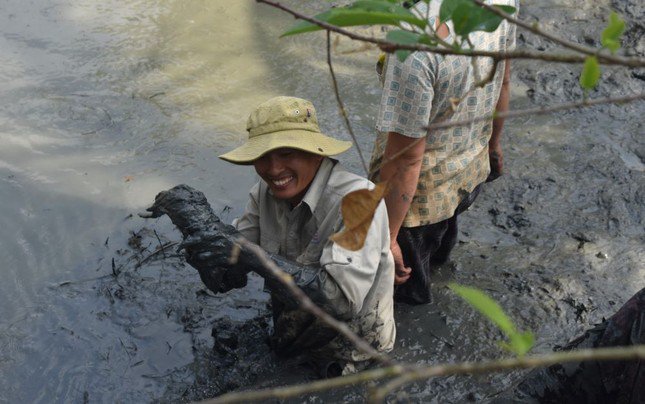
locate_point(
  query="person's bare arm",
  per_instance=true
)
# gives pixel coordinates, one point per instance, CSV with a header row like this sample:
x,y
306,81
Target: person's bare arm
x,y
495,154
403,176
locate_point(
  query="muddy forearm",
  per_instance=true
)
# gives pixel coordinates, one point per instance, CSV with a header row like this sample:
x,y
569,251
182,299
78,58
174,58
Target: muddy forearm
x,y
321,288
219,275
209,243
187,208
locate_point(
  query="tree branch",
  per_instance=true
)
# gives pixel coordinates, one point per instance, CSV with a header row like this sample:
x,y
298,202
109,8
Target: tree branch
x,y
343,112
515,114
405,374
388,46
308,305
534,28
312,387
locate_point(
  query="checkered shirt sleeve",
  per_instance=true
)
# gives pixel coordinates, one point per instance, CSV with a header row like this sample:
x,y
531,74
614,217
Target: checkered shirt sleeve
x,y
407,96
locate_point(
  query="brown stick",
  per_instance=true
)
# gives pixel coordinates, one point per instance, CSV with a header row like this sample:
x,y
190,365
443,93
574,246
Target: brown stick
x,y
423,373
516,54
343,111
515,114
534,28
308,305
405,373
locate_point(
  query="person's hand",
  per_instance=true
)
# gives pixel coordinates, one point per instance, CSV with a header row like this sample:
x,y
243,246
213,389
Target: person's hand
x,y
496,159
401,272
209,248
212,254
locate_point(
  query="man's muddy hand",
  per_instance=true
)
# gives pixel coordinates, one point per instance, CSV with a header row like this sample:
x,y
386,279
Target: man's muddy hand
x,y
208,243
187,208
211,253
215,248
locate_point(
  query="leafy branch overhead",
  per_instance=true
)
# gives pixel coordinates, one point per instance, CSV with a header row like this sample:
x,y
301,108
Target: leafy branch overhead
x,y
610,39
413,29
362,12
410,30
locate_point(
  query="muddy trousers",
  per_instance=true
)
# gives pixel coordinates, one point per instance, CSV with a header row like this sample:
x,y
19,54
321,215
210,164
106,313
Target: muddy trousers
x,y
425,248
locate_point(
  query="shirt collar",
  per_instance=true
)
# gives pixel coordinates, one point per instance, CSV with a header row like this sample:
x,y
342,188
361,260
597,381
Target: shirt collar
x,y
317,188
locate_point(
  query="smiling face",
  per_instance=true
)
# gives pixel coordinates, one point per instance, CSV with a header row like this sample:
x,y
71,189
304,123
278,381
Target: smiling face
x,y
288,172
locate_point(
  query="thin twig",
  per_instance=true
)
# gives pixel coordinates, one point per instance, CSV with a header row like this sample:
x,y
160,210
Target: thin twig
x,y
423,373
540,110
300,389
490,76
157,251
409,373
66,283
160,244
343,111
534,28
515,54
308,305
513,114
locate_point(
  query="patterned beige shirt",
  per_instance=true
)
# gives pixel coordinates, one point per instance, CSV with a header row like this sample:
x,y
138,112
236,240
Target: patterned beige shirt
x,y
418,92
366,276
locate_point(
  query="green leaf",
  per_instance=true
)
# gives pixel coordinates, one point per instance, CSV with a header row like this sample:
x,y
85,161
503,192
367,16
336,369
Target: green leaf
x,y
507,9
427,40
364,12
610,37
448,8
380,6
590,73
468,17
489,21
462,18
520,343
402,54
402,37
485,305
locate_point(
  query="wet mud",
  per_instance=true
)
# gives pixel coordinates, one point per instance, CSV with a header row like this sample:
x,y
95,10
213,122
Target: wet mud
x,y
558,241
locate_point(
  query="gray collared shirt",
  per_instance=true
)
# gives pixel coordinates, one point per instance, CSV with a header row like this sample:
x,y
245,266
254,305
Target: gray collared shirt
x,y
365,277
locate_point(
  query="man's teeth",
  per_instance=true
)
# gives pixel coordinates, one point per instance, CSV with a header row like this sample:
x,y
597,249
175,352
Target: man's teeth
x,y
283,181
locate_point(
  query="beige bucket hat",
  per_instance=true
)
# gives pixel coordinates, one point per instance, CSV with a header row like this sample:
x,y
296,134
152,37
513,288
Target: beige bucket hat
x,y
284,122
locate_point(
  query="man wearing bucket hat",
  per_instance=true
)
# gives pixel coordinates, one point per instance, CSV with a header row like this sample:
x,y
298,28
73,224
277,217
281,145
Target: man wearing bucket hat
x,y
291,213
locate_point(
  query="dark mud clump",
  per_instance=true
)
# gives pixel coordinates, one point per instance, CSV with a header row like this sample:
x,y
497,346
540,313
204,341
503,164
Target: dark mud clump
x,y
240,353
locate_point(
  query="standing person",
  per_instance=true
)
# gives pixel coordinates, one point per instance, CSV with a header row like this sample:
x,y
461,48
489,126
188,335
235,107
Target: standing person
x,y
292,211
432,181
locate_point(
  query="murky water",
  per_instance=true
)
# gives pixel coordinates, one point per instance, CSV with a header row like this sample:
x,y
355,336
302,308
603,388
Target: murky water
x,y
103,104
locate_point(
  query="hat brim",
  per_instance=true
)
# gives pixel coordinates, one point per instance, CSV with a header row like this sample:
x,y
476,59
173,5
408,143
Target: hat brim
x,y
312,142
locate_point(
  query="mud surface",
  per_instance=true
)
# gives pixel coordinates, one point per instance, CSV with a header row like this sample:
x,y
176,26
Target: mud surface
x,y
558,241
